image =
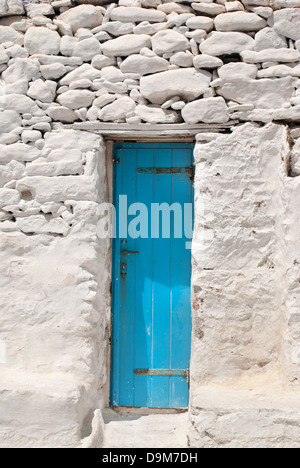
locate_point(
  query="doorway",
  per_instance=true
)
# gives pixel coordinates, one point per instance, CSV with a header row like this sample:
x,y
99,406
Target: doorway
x,y
151,324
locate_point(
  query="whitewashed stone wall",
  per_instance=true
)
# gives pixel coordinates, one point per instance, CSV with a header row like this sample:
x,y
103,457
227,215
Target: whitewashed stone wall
x,y
149,62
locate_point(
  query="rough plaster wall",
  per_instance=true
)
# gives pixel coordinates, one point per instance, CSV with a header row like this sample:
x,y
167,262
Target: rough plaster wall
x,y
54,296
237,301
291,225
245,363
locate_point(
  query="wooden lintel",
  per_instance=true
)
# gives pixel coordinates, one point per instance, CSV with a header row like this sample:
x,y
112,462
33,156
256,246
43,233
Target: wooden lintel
x,y
148,132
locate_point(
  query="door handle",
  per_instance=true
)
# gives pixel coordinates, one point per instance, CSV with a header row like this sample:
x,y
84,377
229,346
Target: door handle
x,y
129,252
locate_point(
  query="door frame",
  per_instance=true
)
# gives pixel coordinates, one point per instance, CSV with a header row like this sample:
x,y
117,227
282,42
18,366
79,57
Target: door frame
x,y
112,190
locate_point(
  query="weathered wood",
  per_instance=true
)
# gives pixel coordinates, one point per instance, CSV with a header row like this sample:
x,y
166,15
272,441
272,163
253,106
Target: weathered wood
x,y
148,132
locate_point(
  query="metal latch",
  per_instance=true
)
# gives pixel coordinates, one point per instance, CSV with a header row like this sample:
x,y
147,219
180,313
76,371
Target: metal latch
x,y
165,372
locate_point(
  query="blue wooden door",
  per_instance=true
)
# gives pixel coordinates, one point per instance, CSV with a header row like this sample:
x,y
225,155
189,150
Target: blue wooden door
x,y
151,336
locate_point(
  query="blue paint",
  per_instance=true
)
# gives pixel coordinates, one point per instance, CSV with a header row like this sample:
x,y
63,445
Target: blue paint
x,y
151,290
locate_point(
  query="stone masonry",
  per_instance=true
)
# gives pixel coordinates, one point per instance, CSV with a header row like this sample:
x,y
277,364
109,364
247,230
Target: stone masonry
x,y
68,67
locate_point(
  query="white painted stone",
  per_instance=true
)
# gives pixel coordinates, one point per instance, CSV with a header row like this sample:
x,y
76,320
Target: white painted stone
x,y
152,114
11,7
252,3
179,8
119,109
279,71
207,61
271,55
137,15
41,20
126,45
42,41
267,38
10,138
67,45
84,71
85,83
63,28
130,3
37,9
146,52
82,16
4,58
226,43
17,51
239,21
81,188
212,9
112,74
264,94
61,114
151,3
8,197
92,113
182,59
178,20
117,88
84,33
87,49
237,71
148,28
102,36
118,28
240,107
29,136
101,61
186,83
8,34
42,90
9,120
144,65
200,22
178,106
103,100
256,115
198,35
12,171
20,104
260,406
169,41
53,71
53,169
295,158
39,225
18,152
170,102
290,115
21,69
210,110
286,22
264,12
75,99
286,4
68,61
234,6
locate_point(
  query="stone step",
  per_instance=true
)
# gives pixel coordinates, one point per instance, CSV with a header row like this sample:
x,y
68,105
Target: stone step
x,y
145,428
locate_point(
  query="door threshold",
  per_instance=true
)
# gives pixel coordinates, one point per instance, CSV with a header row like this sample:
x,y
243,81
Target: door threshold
x,y
146,411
